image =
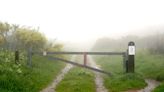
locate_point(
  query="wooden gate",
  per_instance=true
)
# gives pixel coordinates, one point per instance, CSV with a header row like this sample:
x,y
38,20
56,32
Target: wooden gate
x,y
128,58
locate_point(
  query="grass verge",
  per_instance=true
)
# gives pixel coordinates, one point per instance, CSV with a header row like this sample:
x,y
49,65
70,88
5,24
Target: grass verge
x,y
120,81
77,80
160,88
31,79
151,66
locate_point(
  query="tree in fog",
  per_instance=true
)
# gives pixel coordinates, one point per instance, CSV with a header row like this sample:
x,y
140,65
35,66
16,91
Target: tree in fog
x,y
30,38
4,29
16,37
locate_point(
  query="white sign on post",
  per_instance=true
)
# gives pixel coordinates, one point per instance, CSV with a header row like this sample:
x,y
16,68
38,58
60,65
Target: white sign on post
x,y
131,50
44,53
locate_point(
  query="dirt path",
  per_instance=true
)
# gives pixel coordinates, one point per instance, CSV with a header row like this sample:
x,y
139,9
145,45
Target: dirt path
x,y
51,88
98,79
151,85
149,88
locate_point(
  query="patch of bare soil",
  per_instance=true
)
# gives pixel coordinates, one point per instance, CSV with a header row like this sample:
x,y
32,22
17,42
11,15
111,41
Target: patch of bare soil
x,y
98,79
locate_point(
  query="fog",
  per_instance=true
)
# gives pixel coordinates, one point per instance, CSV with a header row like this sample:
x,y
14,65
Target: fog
x,y
81,23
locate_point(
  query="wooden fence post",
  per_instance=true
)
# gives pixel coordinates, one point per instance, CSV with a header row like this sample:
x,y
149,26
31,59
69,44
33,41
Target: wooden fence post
x,y
16,57
85,59
29,57
131,56
125,59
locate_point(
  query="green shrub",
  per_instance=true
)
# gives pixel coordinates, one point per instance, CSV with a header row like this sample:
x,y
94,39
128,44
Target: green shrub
x,y
20,78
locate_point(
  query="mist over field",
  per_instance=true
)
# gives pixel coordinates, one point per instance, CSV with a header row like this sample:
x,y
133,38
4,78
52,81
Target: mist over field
x,y
48,46
82,22
150,38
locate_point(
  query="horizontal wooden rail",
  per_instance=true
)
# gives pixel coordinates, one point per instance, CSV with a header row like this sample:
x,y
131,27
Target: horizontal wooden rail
x,y
80,65
80,53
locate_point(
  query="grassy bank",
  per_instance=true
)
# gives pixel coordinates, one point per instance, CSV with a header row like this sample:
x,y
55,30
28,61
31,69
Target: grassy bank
x,y
160,88
30,79
120,81
77,80
151,66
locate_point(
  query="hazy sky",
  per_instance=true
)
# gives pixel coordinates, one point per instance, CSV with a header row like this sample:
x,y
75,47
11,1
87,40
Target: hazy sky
x,y
83,20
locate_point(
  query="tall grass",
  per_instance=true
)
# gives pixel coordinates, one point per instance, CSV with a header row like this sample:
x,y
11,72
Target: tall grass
x,y
20,78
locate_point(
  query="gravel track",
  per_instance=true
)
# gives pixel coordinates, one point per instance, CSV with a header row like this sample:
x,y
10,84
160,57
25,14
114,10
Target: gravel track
x,y
98,78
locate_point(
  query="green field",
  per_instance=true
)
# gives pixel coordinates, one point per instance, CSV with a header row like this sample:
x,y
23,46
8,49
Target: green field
x,y
32,79
150,66
147,66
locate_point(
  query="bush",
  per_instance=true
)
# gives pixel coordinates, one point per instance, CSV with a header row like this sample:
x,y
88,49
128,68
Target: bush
x,y
20,78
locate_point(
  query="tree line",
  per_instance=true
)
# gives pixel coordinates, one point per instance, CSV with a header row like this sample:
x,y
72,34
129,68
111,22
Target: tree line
x,y
13,36
16,75
152,43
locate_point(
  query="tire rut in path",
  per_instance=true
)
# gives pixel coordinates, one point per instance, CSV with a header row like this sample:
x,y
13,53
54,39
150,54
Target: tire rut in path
x,y
51,88
98,79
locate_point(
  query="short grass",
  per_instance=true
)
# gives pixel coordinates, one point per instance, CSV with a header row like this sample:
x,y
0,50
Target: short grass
x,y
120,81
77,80
124,82
31,79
